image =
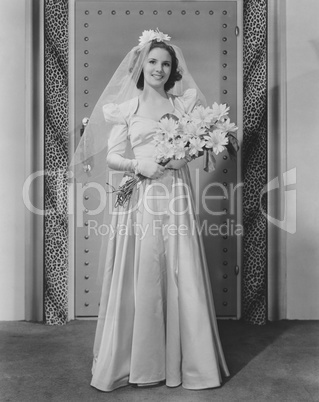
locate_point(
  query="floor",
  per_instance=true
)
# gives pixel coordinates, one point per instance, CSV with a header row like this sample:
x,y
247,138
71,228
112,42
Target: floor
x,y
275,362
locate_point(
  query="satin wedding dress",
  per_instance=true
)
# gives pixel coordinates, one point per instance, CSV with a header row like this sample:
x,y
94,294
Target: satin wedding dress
x,y
157,319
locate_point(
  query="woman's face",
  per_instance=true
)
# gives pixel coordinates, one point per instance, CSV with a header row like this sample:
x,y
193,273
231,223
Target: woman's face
x,y
157,67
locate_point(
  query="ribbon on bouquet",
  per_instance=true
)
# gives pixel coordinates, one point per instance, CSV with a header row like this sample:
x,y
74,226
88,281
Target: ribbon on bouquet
x,y
209,161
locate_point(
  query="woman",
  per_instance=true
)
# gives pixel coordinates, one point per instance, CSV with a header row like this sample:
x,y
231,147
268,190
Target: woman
x,y
156,320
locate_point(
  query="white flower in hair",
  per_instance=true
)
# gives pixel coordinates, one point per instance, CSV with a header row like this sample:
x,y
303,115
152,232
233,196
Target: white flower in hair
x,y
161,37
148,36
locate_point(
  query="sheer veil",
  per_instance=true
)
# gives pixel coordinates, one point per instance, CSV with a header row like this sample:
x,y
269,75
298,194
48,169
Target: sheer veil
x,y
92,148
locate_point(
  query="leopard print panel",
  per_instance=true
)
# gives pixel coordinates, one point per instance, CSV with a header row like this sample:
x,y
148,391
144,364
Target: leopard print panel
x,y
254,161
56,162
254,285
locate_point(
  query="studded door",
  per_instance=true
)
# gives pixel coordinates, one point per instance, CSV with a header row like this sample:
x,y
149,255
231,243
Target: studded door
x,y
206,32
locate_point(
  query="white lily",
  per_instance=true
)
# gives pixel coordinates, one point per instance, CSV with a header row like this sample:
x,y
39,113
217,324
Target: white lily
x,y
216,140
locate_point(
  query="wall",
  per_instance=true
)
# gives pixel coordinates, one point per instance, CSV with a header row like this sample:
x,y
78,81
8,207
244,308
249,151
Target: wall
x,y
302,153
12,158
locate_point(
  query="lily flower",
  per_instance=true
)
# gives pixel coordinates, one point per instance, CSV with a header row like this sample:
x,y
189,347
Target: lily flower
x,y
225,125
167,126
196,145
217,141
194,129
203,116
219,110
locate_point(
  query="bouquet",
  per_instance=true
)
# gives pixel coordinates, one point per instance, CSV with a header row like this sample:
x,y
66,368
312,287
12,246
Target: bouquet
x,y
203,131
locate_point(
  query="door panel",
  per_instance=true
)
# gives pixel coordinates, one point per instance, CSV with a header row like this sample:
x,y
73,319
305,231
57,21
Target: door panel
x,y
205,31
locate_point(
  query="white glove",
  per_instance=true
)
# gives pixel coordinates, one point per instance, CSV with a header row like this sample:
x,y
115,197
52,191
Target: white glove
x,y
176,164
117,162
149,168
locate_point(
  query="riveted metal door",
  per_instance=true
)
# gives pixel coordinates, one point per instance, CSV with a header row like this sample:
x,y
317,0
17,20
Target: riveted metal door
x,y
206,32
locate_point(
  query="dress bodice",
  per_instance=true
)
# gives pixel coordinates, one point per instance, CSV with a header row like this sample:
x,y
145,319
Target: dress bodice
x,y
140,130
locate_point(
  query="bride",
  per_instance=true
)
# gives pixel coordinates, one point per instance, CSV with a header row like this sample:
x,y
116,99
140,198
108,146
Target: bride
x,y
156,320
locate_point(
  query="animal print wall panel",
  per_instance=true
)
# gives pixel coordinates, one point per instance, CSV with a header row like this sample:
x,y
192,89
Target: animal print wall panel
x,y
56,162
254,285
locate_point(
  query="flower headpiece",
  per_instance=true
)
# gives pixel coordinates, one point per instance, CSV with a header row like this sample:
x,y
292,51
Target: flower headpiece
x,y
148,36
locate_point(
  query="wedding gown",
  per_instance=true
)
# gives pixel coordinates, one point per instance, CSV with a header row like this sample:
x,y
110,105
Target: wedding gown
x,y
157,319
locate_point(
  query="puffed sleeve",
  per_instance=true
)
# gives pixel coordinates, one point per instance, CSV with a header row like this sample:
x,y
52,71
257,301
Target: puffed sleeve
x,y
117,123
189,100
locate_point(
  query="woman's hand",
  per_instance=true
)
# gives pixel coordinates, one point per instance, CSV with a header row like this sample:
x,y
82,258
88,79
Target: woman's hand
x,y
149,168
176,164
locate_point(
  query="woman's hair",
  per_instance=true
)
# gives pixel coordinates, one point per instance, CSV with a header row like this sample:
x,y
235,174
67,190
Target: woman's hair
x,y
175,75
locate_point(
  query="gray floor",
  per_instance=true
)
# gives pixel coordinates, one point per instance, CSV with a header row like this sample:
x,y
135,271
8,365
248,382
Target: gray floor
x,y
276,362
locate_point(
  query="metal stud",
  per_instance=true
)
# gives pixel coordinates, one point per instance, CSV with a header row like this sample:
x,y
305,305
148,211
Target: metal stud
x,y
211,12
225,304
225,157
127,12
155,12
87,12
225,237
86,263
86,78
225,263
225,77
224,65
86,237
141,12
197,12
225,210
224,25
86,52
183,12
169,12
86,210
225,12
224,39
86,304
113,12
86,38
225,276
86,290
86,91
87,277
100,12
224,198
225,250
86,105
224,51
86,223
225,91
225,184
86,250
86,25
225,170
86,64
86,197
225,290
